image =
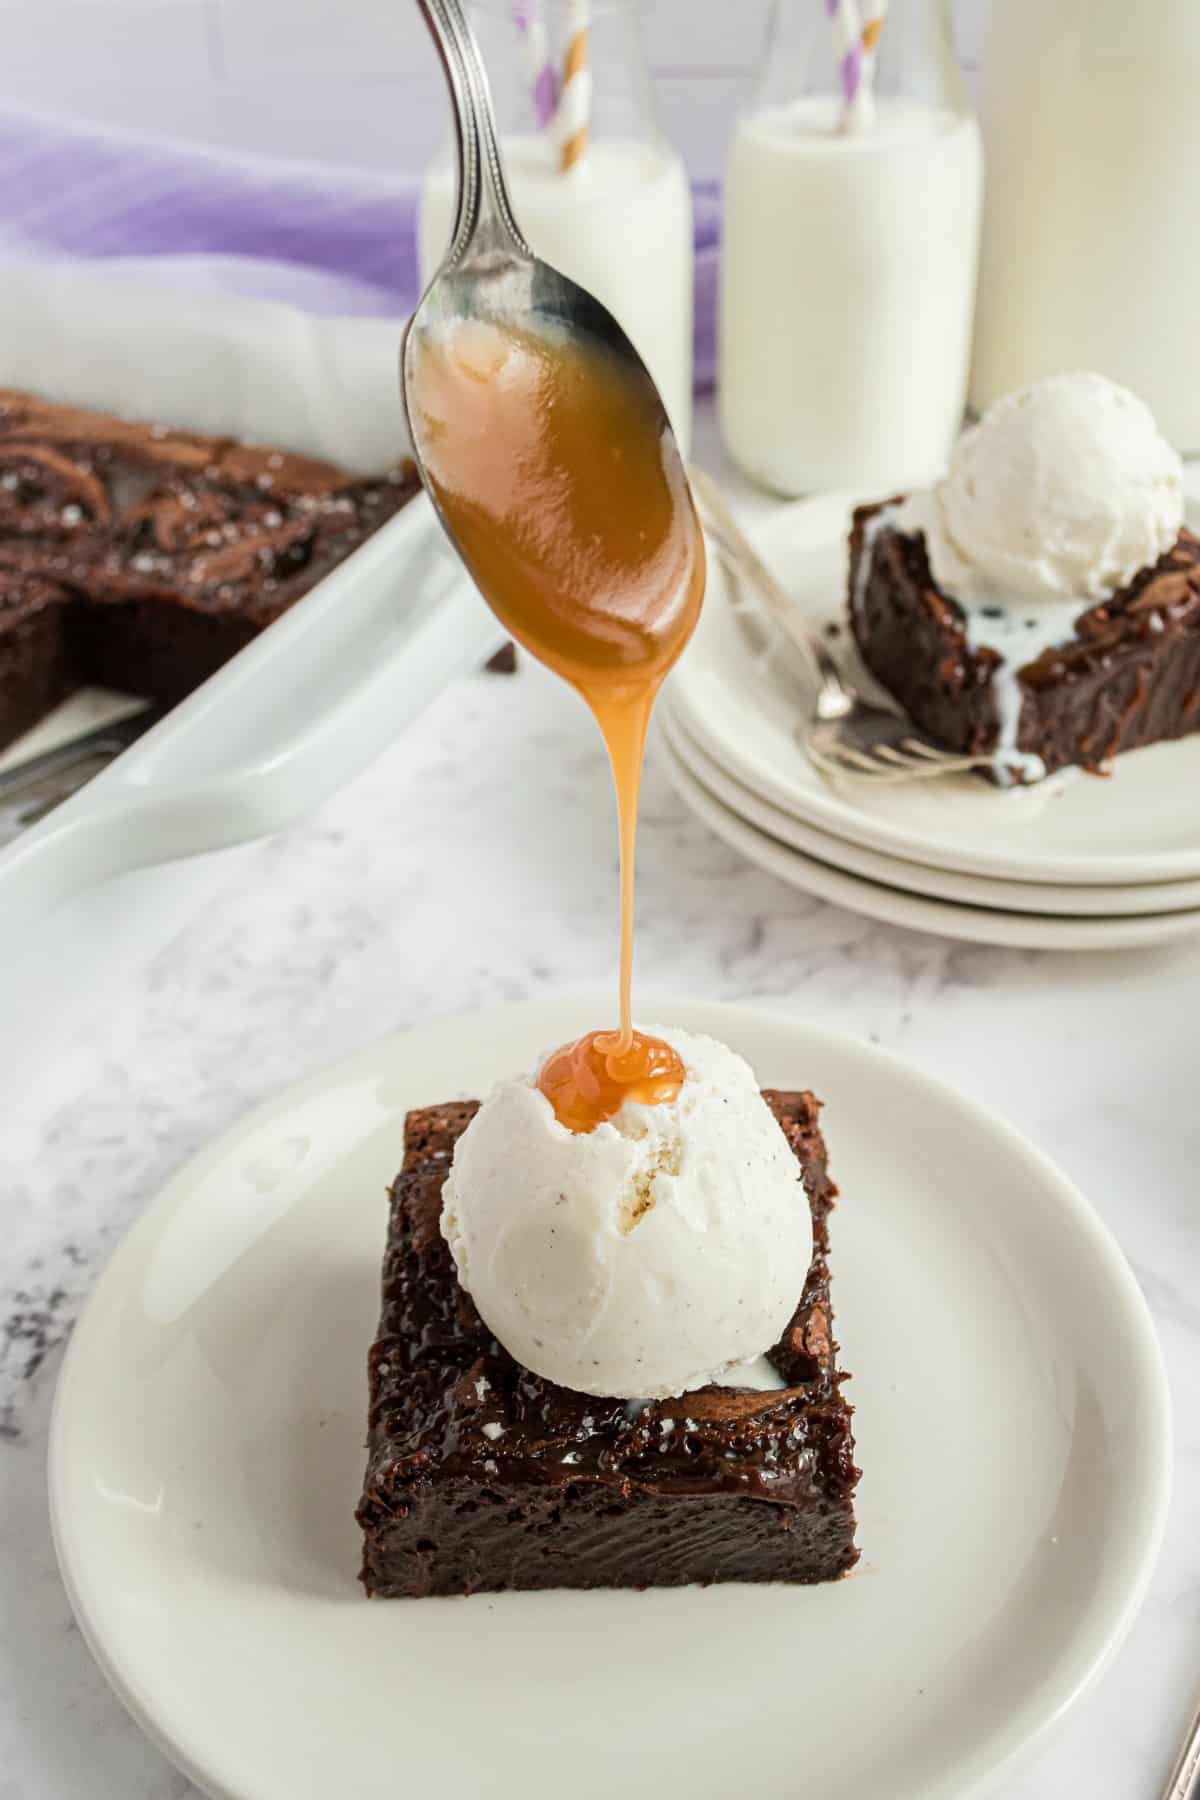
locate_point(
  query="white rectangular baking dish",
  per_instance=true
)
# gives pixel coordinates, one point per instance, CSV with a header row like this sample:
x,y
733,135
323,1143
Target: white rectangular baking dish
x,y
91,892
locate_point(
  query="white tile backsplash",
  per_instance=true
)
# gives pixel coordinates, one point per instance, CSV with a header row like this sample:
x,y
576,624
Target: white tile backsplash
x,y
681,35
344,80
316,38
48,43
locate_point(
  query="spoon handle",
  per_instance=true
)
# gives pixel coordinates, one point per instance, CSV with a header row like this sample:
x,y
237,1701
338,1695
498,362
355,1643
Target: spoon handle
x,y
485,216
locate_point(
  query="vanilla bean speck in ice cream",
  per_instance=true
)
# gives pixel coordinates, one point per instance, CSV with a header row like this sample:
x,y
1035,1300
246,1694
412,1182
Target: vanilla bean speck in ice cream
x,y
650,1256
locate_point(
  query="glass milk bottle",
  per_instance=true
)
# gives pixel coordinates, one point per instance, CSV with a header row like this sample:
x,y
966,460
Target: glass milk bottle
x,y
619,218
850,241
1091,253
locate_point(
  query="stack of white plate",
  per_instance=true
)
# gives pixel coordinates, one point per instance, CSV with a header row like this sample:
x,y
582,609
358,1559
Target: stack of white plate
x,y
1076,863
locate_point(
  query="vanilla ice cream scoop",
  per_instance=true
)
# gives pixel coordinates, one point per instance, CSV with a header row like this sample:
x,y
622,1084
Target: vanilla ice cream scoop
x,y
641,1259
1064,490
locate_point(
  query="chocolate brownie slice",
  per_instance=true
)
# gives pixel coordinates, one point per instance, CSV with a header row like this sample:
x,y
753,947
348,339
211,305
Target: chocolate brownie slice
x,y
36,666
1129,675
143,558
482,1476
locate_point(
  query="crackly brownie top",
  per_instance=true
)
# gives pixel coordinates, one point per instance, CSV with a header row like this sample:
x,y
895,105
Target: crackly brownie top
x,y
447,1399
120,511
1161,601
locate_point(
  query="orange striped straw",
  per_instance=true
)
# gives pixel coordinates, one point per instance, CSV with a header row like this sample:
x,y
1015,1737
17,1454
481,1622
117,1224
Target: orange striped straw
x,y
575,101
857,27
874,13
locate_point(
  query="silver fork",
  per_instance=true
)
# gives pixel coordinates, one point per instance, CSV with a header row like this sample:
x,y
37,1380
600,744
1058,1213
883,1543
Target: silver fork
x,y
1184,1783
845,734
31,789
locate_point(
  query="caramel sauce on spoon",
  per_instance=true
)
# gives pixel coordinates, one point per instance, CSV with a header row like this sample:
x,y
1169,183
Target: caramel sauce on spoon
x,y
555,470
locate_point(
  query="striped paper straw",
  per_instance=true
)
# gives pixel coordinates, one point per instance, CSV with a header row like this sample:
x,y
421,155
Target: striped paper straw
x,y
527,16
874,13
847,50
855,46
575,101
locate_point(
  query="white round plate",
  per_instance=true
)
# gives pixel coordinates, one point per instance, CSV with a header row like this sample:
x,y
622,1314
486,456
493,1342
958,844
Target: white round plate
x,y
206,1457
898,906
1141,824
1053,898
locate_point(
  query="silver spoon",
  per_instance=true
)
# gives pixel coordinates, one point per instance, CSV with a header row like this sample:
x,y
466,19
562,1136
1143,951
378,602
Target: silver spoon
x,y
489,271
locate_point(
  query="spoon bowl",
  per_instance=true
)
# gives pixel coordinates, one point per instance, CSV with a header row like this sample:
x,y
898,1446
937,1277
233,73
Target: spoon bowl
x,y
489,272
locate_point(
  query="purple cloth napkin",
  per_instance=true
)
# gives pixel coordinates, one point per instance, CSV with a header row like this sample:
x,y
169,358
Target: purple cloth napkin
x,y
332,240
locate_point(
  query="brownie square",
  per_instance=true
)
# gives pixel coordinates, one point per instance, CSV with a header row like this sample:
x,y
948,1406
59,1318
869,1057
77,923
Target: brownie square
x,y
482,1476
1129,676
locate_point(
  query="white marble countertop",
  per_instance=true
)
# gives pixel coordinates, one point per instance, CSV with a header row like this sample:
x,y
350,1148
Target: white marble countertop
x,y
475,864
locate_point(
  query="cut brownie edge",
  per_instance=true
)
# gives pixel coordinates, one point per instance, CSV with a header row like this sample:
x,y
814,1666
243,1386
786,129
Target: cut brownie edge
x,y
482,1476
37,666
1129,677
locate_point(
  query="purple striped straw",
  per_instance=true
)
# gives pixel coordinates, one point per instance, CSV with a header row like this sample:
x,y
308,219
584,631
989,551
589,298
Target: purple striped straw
x,y
527,17
848,49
